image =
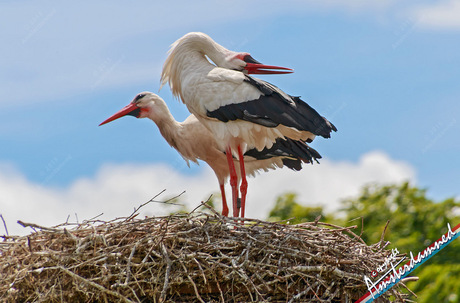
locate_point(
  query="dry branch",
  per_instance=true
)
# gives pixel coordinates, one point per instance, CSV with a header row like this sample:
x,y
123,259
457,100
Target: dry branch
x,y
188,257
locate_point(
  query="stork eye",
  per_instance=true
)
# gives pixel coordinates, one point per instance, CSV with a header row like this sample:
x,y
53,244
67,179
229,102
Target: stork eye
x,y
138,97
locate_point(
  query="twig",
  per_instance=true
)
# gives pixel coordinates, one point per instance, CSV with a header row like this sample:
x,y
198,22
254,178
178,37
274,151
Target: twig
x,y
136,209
408,279
299,295
128,265
317,220
142,205
167,273
92,219
220,290
4,224
335,271
139,259
33,226
348,229
95,285
193,284
383,233
69,234
204,204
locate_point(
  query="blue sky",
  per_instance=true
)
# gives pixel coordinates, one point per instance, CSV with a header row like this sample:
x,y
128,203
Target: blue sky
x,y
386,74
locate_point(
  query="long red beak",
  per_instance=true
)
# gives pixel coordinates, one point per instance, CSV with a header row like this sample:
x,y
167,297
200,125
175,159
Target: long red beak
x,y
255,67
130,109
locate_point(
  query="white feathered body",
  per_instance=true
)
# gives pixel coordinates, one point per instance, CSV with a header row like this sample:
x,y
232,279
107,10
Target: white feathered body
x,y
204,87
195,142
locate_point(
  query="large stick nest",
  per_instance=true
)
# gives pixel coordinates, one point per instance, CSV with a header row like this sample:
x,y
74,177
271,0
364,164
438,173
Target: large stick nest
x,y
188,257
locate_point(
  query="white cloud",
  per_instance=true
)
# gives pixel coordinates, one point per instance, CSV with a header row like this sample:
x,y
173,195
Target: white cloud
x,y
328,183
442,15
117,189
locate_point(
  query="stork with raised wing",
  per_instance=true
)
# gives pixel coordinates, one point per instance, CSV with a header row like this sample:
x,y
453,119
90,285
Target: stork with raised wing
x,y
242,112
195,142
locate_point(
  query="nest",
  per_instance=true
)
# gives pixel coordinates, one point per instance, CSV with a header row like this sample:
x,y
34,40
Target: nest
x,y
188,257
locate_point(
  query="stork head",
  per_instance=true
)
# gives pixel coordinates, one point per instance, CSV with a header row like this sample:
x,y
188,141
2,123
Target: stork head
x,y
185,49
143,105
247,64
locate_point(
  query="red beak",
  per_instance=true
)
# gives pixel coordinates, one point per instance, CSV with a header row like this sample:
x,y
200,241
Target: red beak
x,y
255,67
130,109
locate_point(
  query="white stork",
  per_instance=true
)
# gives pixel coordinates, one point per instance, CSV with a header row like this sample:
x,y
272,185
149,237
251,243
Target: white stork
x,y
242,112
193,141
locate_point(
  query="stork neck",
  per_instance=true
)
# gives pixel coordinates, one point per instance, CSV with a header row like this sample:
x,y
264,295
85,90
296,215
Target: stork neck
x,y
216,52
201,47
168,126
188,57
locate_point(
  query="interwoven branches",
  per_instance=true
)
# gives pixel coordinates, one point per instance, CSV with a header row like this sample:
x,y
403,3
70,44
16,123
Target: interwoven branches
x,y
188,257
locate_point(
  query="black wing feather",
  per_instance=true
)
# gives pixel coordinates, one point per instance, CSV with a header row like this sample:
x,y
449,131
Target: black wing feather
x,y
294,164
274,107
293,153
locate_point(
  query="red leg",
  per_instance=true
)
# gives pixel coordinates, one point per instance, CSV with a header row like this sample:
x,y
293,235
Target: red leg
x,y
224,201
244,182
233,182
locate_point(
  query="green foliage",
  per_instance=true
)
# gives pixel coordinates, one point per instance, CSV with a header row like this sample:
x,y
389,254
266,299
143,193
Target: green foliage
x,y
415,221
437,283
286,208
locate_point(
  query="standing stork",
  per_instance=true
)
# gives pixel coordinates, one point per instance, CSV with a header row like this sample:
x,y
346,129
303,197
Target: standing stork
x,y
194,141
242,112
